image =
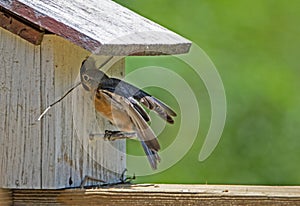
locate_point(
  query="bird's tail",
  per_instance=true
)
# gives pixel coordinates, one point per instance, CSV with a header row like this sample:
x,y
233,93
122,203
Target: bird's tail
x,y
152,155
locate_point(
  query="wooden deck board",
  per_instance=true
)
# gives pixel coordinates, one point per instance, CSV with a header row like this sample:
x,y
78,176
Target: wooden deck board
x,y
162,194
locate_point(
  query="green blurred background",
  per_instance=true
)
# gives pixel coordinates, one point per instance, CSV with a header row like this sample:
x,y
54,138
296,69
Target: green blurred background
x,y
255,47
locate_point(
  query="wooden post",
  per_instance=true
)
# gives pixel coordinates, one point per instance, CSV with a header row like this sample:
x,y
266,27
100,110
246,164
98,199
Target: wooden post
x,y
51,153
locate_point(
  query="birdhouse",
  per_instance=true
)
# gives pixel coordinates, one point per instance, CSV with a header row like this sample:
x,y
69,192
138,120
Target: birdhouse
x,y
42,46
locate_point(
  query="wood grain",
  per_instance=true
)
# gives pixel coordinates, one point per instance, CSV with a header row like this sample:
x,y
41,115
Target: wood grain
x,y
22,29
102,27
163,194
54,152
5,197
69,154
20,104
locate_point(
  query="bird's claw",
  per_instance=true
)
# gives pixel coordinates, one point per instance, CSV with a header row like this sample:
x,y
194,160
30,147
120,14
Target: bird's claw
x,y
112,135
126,180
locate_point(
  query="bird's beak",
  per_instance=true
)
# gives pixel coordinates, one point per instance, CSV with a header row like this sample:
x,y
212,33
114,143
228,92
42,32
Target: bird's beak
x,y
85,86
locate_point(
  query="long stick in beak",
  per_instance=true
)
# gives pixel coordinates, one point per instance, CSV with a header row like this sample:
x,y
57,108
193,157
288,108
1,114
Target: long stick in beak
x,y
51,105
106,61
76,85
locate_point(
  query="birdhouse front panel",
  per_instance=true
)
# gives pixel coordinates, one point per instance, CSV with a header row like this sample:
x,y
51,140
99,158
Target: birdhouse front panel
x,y
56,151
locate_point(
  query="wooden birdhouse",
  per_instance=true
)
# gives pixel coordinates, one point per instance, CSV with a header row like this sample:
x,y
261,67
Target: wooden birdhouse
x,y
42,46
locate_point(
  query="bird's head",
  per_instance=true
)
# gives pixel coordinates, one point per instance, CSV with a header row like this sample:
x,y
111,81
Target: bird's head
x,y
90,76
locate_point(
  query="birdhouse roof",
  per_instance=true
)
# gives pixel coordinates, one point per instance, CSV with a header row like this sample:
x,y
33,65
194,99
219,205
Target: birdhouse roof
x,y
100,26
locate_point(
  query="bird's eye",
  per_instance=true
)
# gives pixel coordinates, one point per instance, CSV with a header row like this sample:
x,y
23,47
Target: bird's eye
x,y
86,77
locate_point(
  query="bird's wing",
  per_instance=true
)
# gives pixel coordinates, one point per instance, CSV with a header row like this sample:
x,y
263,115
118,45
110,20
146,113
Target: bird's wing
x,y
144,132
159,107
127,90
139,108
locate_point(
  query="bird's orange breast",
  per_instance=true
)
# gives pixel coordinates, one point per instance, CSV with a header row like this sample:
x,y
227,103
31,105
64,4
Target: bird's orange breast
x,y
103,105
113,111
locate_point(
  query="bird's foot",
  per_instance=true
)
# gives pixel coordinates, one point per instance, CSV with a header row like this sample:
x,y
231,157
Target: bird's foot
x,y
126,180
113,135
123,180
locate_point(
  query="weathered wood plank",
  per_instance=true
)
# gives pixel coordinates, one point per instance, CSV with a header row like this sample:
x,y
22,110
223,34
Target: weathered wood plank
x,y
53,152
19,106
13,24
161,194
68,155
103,27
5,197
